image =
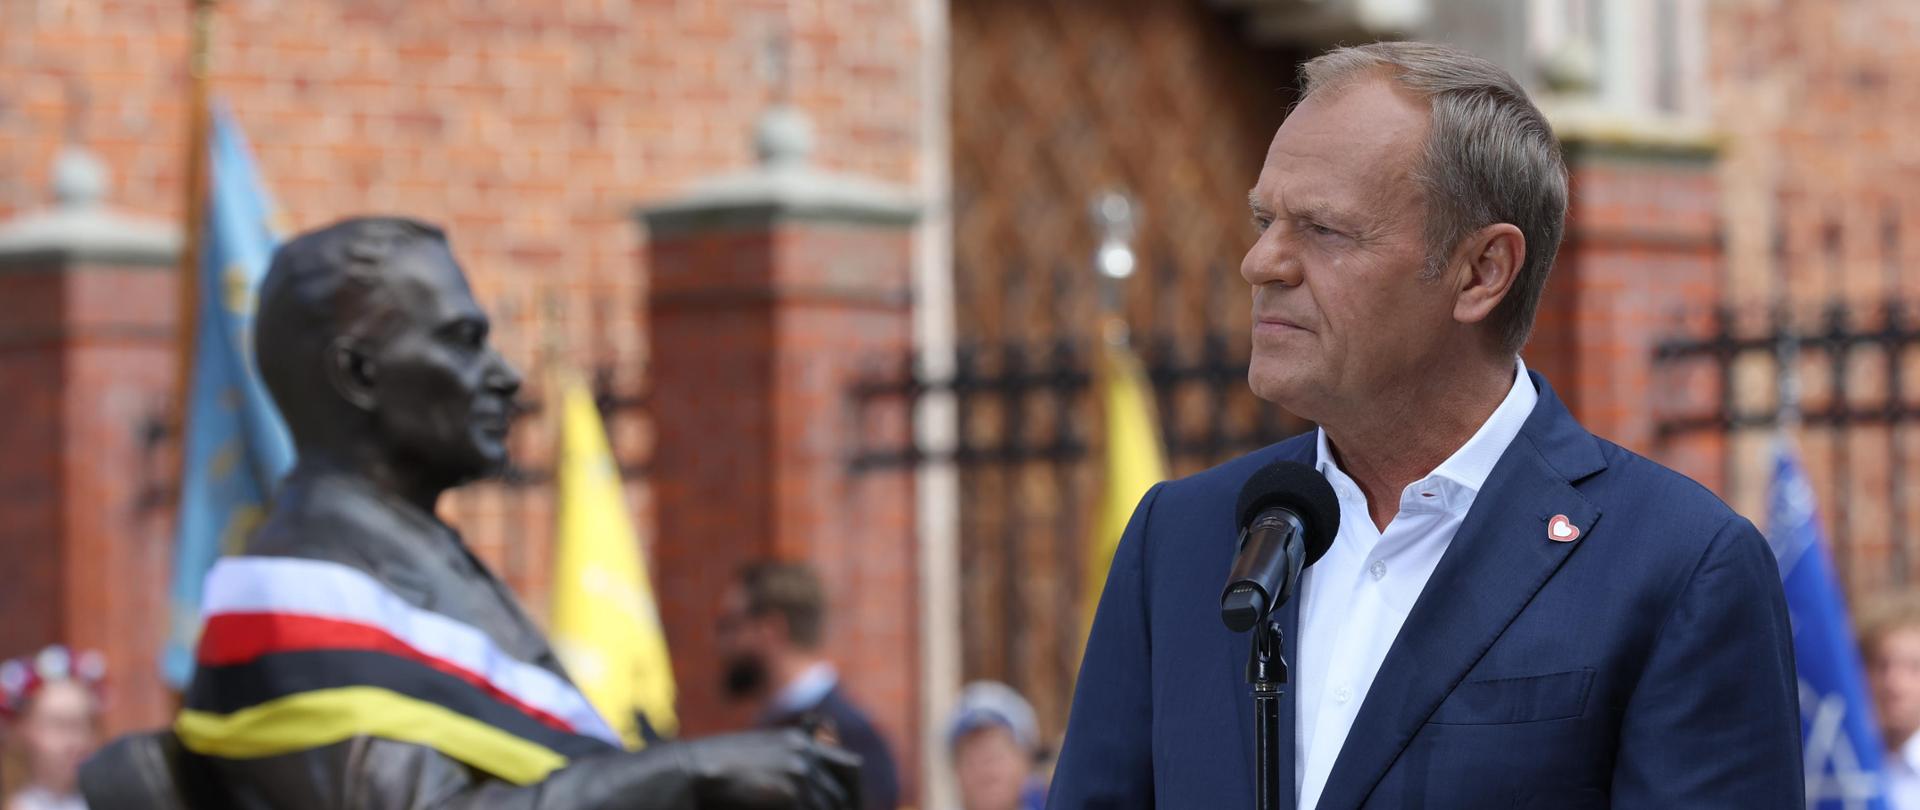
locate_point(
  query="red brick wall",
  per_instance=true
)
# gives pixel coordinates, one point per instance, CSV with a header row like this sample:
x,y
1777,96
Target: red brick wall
x,y
123,362
89,350
31,369
1819,100
1641,249
528,128
758,333
1822,201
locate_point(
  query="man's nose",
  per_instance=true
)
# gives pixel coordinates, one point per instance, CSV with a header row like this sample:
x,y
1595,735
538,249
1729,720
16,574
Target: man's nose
x,y
501,376
1272,259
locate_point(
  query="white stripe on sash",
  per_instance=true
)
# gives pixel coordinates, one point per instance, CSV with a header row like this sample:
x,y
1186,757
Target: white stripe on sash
x,y
331,590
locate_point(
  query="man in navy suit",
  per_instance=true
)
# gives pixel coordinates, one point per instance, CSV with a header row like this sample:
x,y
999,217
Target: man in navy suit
x,y
1514,613
770,633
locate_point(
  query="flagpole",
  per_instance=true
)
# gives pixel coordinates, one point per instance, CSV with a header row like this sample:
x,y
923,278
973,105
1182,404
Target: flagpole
x,y
1787,351
194,210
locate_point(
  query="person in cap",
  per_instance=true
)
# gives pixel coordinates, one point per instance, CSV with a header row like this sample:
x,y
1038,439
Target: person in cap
x,y
995,743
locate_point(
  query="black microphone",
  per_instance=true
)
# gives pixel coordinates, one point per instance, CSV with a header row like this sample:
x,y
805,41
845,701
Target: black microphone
x,y
1288,516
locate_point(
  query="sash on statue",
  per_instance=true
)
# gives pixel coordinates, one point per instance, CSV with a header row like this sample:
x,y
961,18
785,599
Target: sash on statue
x,y
298,654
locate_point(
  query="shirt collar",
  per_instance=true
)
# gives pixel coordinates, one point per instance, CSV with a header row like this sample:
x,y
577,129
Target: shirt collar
x,y
807,690
1473,462
1469,466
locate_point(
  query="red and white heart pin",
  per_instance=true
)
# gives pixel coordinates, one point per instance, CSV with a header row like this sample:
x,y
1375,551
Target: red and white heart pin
x,y
1562,530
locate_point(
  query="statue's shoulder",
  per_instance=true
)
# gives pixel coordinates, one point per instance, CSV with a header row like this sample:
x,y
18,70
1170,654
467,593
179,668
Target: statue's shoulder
x,y
295,528
344,525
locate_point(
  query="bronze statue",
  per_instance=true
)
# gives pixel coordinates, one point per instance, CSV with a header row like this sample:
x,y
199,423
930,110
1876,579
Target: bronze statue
x,y
357,654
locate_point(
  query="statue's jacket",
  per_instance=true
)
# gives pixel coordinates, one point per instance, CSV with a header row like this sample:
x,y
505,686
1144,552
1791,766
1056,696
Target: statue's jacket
x,y
356,654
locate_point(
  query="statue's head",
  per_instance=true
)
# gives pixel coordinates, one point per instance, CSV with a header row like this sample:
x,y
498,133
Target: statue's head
x,y
372,345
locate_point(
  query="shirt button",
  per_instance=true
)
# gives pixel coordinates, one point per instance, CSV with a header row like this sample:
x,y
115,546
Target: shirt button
x,y
1379,569
1342,695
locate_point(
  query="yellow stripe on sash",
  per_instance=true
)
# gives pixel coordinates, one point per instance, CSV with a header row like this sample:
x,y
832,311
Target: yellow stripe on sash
x,y
327,716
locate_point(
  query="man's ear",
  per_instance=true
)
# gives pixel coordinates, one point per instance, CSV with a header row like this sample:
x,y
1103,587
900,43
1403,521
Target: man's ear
x,y
1492,258
351,372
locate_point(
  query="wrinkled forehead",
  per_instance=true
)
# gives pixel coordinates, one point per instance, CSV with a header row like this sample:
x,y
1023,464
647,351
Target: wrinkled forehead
x,y
1364,132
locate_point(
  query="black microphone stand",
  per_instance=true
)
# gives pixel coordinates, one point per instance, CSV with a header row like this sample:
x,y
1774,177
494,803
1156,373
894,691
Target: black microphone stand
x,y
1267,672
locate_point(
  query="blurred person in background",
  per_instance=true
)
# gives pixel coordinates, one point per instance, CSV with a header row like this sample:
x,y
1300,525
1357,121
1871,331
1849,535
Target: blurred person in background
x,y
1890,643
995,743
770,632
50,702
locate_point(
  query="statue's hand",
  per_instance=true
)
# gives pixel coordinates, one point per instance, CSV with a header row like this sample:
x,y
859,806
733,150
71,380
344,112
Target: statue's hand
x,y
767,769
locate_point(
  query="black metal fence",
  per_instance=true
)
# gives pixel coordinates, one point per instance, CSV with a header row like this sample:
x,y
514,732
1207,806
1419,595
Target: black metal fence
x,y
1029,431
1041,396
1851,392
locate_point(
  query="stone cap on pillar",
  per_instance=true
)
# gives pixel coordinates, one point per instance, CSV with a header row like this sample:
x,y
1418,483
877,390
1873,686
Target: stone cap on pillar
x,y
80,227
1583,125
784,187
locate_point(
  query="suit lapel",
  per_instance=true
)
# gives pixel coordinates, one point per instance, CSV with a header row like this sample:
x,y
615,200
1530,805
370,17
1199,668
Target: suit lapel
x,y
1498,560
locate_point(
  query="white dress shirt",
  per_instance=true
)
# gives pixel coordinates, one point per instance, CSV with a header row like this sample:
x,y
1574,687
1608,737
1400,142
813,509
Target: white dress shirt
x,y
806,690
1903,775
35,798
1354,599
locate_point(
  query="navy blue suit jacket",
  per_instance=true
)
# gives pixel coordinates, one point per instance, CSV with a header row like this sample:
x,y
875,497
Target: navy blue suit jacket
x,y
879,780
1646,664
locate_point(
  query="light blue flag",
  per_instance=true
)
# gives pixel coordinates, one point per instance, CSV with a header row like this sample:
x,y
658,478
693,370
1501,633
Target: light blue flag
x,y
1840,737
237,448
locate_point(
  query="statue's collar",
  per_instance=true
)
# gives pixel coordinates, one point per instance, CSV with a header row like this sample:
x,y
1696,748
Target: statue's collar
x,y
347,499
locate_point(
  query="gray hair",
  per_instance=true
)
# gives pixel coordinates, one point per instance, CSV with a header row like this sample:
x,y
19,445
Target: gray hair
x,y
1490,158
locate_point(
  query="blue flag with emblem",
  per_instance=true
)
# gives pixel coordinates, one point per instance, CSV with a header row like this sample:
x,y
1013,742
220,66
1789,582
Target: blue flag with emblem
x,y
1838,732
237,447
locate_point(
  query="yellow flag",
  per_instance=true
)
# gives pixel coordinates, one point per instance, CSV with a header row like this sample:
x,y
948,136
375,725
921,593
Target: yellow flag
x,y
1134,459
606,625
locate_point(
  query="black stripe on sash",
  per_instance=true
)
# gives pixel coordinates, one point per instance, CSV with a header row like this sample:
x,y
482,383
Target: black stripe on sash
x,y
230,688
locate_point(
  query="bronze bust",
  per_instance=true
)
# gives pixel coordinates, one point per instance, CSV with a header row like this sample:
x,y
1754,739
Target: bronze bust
x,y
356,654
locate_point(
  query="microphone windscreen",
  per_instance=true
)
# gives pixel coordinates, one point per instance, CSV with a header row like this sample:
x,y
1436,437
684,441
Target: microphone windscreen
x,y
1300,488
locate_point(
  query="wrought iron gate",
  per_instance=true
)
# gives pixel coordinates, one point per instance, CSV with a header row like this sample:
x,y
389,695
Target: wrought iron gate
x,y
1028,428
1857,414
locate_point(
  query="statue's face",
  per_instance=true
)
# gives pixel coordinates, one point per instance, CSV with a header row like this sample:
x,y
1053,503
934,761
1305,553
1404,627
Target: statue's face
x,y
441,395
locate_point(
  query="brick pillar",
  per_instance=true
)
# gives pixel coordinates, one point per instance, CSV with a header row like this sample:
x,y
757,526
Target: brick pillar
x,y
1642,249
87,364
769,291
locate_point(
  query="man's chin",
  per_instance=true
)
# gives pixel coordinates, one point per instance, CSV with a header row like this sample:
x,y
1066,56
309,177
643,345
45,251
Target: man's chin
x,y
477,464
493,465
1279,385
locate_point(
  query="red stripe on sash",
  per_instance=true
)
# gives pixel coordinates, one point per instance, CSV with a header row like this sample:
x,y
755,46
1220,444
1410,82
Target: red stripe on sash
x,y
238,638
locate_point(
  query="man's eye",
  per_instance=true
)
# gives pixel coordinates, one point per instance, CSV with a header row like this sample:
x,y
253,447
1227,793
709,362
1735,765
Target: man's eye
x,y
1321,230
1260,224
